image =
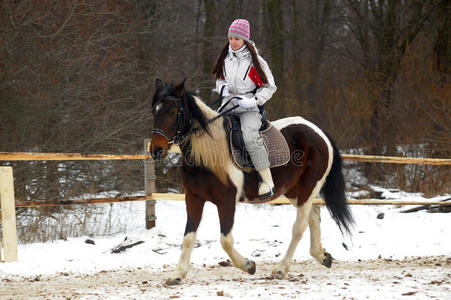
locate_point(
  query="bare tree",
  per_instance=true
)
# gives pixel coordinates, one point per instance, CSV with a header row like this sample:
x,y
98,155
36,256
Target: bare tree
x,y
384,30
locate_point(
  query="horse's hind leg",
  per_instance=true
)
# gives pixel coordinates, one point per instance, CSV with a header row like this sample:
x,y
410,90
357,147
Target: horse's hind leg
x,y
194,208
316,249
298,230
226,211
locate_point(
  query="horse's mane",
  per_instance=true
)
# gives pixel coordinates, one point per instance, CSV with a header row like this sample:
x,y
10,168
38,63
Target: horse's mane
x,y
209,146
199,111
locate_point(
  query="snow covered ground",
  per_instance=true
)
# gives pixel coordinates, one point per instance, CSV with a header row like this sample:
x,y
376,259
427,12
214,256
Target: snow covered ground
x,y
262,233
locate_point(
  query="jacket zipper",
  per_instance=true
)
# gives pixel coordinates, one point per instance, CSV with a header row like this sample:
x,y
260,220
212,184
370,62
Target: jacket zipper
x,y
236,73
247,71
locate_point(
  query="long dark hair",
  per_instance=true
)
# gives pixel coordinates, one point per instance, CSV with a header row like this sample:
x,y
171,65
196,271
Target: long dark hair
x,y
219,65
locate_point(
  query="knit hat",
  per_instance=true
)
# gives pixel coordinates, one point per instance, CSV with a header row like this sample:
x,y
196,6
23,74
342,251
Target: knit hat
x,y
240,28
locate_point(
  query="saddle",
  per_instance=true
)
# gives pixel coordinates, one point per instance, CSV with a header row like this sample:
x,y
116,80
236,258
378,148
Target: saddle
x,y
273,140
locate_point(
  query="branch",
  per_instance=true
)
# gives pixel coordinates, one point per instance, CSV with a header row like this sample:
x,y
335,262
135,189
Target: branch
x,y
355,9
415,25
62,26
10,14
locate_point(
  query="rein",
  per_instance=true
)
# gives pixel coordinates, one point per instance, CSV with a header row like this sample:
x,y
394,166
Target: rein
x,y
180,136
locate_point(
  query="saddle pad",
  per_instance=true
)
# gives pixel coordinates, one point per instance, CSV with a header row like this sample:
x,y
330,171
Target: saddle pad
x,y
275,144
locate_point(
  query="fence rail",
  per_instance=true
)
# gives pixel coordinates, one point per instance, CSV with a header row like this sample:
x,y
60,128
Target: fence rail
x,y
25,156
181,197
396,159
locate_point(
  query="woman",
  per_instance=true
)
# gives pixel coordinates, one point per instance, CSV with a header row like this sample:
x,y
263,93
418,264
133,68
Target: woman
x,y
243,77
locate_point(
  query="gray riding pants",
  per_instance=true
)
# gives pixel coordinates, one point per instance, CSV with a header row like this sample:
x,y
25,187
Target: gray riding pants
x,y
250,125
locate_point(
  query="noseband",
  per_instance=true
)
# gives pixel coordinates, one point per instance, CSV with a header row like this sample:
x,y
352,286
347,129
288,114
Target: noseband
x,y
177,126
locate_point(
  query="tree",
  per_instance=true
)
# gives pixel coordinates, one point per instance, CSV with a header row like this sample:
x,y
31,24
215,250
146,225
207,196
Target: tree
x,y
385,30
441,23
274,28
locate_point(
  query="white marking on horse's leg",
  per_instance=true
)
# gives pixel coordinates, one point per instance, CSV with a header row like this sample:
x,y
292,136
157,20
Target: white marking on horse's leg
x,y
183,265
298,230
237,259
316,249
227,244
237,178
315,232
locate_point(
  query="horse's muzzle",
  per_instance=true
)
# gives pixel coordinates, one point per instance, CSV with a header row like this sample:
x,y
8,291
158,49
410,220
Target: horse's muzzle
x,y
158,147
158,153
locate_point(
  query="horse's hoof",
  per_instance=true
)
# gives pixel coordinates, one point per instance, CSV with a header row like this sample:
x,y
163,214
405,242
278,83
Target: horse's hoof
x,y
327,261
174,281
277,275
251,267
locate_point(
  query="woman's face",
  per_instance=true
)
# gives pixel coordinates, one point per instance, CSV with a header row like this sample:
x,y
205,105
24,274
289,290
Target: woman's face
x,y
236,43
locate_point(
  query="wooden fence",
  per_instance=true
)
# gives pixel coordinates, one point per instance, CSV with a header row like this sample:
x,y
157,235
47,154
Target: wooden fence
x,y
8,204
9,232
24,156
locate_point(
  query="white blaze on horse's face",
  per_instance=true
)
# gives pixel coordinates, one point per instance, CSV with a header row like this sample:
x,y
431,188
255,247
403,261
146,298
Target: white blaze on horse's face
x,y
158,107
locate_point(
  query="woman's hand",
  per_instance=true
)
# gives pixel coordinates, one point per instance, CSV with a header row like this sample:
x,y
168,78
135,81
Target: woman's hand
x,y
225,91
247,102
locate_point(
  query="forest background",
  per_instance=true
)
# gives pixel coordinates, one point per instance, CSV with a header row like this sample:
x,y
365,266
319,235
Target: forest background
x,y
78,76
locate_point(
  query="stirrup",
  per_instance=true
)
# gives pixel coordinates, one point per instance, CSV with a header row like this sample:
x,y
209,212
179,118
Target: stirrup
x,y
267,194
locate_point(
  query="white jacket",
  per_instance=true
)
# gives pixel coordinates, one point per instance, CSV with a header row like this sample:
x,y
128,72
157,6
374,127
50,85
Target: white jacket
x,y
241,78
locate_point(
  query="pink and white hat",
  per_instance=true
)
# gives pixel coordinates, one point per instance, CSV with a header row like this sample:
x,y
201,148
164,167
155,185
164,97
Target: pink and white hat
x,y
240,28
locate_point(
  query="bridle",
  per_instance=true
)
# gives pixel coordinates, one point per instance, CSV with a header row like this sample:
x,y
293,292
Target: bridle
x,y
177,128
179,136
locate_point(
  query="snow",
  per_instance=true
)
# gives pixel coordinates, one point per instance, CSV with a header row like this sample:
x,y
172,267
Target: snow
x,y
261,232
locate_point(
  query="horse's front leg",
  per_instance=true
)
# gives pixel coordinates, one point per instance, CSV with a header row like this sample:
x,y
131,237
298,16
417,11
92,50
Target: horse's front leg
x,y
226,211
194,208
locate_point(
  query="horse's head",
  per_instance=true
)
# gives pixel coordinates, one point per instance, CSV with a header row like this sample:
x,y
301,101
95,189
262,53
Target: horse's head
x,y
169,117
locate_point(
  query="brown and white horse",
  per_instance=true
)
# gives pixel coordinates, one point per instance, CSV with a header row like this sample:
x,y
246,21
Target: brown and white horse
x,y
208,174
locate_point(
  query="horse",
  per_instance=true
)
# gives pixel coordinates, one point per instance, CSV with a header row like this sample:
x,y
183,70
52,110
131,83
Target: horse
x,y
208,174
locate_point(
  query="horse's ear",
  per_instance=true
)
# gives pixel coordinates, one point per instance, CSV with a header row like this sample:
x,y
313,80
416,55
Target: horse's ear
x,y
158,83
180,88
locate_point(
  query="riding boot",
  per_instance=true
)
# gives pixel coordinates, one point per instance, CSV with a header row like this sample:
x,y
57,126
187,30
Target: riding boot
x,y
266,187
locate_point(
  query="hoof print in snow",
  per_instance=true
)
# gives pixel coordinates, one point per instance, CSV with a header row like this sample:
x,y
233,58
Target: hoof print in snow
x,y
225,263
257,253
277,275
175,281
380,216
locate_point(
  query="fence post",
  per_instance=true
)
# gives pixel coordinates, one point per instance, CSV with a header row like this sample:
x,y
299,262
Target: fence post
x,y
8,216
149,185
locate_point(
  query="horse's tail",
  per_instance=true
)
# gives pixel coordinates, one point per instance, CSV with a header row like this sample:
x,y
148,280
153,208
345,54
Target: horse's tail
x,y
334,193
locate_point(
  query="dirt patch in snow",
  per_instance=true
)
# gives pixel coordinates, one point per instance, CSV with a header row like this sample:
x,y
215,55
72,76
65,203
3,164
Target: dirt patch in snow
x,y
412,278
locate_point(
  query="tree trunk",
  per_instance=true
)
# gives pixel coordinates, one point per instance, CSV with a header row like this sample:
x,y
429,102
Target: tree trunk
x,y
275,41
320,12
442,44
207,43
